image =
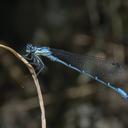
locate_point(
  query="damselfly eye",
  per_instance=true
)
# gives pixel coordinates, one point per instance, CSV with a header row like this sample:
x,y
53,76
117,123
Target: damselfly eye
x,y
30,48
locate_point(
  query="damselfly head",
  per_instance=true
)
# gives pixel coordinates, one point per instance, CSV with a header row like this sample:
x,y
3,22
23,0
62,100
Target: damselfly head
x,y
30,48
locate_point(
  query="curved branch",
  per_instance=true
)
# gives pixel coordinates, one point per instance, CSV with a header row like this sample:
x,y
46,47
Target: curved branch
x,y
34,76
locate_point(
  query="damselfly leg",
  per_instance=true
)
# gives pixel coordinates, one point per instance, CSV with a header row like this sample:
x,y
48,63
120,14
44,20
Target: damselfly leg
x,y
36,62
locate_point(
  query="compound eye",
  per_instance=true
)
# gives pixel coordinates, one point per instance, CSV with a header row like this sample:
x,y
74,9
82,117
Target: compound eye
x,y
30,48
29,45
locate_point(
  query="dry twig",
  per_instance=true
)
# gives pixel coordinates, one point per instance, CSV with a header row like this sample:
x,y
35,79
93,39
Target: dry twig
x,y
34,76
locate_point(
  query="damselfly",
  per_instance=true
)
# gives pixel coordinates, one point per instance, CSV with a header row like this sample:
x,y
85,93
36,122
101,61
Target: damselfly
x,y
94,67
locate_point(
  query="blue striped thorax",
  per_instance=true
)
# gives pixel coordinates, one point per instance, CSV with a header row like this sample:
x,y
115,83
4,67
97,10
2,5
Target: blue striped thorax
x,y
44,51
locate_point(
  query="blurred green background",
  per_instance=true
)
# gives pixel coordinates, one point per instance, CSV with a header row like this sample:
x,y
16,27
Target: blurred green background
x,y
95,27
